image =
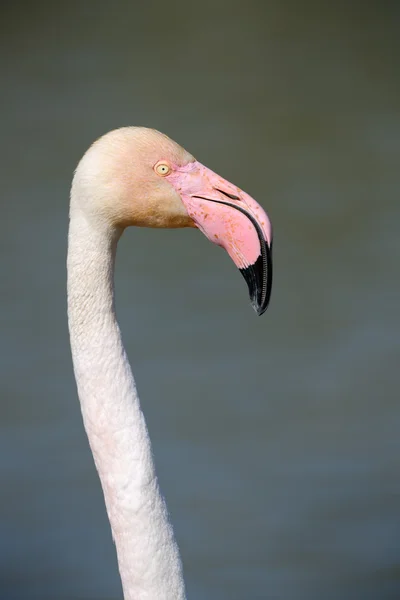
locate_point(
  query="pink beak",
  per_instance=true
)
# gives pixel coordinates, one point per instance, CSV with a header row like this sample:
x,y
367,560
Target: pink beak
x,y
232,219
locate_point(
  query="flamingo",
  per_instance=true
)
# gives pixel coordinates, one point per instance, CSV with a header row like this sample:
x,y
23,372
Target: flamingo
x,y
139,176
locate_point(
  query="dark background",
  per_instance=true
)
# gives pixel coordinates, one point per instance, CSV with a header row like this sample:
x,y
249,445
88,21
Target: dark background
x,y
276,439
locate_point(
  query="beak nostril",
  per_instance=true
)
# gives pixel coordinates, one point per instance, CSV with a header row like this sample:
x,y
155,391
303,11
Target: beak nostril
x,y
231,196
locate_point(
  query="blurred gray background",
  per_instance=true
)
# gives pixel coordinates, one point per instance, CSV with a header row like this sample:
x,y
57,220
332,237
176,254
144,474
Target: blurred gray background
x,y
276,438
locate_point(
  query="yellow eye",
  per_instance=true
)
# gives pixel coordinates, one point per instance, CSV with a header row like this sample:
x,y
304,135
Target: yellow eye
x,y
162,168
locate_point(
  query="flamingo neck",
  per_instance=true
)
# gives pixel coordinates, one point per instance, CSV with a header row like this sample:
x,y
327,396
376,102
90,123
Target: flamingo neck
x,y
148,556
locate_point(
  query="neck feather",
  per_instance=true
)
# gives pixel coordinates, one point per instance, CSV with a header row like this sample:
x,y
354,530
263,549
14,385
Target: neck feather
x,y
148,556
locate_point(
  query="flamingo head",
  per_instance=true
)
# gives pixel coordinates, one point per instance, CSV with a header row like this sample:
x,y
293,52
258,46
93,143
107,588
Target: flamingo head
x,y
139,176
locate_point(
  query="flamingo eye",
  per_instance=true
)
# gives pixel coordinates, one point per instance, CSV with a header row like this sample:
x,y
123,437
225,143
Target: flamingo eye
x,y
162,169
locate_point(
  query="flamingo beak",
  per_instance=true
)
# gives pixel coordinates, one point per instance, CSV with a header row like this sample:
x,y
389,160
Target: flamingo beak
x,y
233,220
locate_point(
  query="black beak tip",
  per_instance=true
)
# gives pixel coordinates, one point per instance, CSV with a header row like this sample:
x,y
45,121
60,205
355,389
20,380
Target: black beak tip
x,y
260,310
259,280
257,307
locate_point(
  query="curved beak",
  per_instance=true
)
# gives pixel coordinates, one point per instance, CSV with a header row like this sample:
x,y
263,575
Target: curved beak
x,y
232,219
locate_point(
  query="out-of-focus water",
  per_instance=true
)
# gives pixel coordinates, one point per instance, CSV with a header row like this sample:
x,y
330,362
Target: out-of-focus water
x,y
276,439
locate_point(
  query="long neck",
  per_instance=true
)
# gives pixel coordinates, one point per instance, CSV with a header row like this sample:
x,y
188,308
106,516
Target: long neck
x,y
148,556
